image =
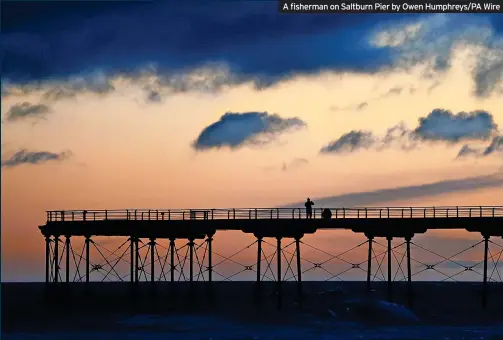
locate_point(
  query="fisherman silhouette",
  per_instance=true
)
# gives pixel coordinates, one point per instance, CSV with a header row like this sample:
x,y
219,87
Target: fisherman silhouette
x,y
326,214
309,208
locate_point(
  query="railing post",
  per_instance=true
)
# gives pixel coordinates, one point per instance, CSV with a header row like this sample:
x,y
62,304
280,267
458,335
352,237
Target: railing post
x,y
234,213
388,212
481,211
106,215
365,212
457,211
434,213
255,213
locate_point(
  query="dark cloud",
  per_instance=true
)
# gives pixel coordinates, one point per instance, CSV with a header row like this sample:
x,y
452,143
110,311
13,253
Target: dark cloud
x,y
351,142
33,157
294,164
44,41
443,125
403,194
252,37
496,146
26,110
438,126
235,130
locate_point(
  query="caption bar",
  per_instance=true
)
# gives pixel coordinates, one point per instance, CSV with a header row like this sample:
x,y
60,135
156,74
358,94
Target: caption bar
x,y
310,6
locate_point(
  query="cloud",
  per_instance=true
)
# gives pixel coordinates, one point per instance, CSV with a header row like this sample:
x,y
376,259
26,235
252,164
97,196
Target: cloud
x,y
235,130
26,110
434,38
445,126
496,146
33,157
405,193
362,106
351,142
294,164
439,126
251,39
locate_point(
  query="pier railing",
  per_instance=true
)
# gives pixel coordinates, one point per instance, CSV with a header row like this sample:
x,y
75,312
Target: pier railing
x,y
274,213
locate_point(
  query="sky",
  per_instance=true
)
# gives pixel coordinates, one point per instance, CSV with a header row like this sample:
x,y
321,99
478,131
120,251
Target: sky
x,y
109,105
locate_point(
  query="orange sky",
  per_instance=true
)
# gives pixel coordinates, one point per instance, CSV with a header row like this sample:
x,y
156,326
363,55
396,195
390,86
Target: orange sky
x,y
129,154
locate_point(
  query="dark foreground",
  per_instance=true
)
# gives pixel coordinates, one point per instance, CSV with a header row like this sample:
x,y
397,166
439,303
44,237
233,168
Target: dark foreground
x,y
114,308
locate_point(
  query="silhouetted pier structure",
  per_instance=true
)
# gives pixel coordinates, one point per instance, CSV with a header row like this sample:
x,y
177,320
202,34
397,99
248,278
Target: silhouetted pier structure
x,y
277,223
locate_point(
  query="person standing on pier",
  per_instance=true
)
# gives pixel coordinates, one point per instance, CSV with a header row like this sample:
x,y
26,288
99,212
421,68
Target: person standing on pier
x,y
309,208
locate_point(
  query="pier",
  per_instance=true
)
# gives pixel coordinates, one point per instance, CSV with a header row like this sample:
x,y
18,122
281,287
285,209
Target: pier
x,y
151,244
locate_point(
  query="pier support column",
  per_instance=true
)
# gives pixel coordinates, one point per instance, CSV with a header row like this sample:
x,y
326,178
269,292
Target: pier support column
x,y
56,258
390,292
172,250
210,266
191,259
67,253
137,260
369,263
259,258
278,252
131,258
152,259
409,272
47,259
299,269
88,246
280,292
484,288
